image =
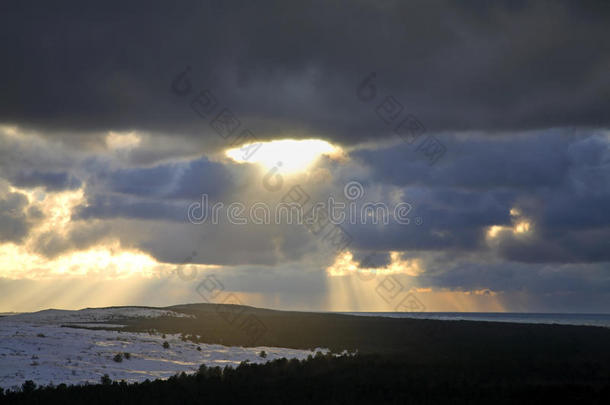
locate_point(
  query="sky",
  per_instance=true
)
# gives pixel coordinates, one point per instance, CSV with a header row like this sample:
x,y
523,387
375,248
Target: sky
x,y
444,156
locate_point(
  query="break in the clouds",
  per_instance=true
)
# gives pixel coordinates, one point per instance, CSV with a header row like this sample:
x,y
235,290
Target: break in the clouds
x,y
103,148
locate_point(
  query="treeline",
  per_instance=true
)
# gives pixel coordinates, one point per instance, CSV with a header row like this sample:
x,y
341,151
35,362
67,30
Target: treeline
x,y
360,379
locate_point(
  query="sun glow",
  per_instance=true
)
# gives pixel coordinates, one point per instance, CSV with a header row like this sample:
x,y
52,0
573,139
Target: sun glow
x,y
522,227
128,140
352,288
289,155
107,259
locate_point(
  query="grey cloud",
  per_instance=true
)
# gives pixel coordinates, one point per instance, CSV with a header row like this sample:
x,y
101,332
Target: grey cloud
x,y
113,206
559,182
581,287
14,224
79,236
371,259
574,246
28,161
294,68
51,180
517,92
520,161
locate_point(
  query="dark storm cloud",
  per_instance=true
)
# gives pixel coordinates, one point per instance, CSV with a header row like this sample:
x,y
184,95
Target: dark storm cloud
x,y
558,182
539,159
582,287
286,67
559,246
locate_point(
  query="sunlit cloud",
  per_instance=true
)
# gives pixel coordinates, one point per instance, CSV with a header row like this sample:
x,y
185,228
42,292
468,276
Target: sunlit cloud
x,y
106,259
494,230
115,140
345,264
288,154
57,207
109,261
9,130
520,226
16,263
515,212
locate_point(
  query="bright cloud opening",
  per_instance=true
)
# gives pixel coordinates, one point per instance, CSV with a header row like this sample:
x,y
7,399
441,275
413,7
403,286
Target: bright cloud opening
x,y
345,264
115,140
520,225
289,155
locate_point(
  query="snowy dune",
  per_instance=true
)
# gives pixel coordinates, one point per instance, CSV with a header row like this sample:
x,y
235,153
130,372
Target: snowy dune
x,y
36,347
55,316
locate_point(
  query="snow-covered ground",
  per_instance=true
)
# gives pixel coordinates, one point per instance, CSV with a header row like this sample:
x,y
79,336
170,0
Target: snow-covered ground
x,y
55,316
35,347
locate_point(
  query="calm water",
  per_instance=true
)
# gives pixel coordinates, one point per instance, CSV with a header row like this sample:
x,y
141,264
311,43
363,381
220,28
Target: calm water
x,y
563,319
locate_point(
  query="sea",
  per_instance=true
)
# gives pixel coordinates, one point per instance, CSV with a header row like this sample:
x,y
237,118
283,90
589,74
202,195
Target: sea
x,y
513,317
